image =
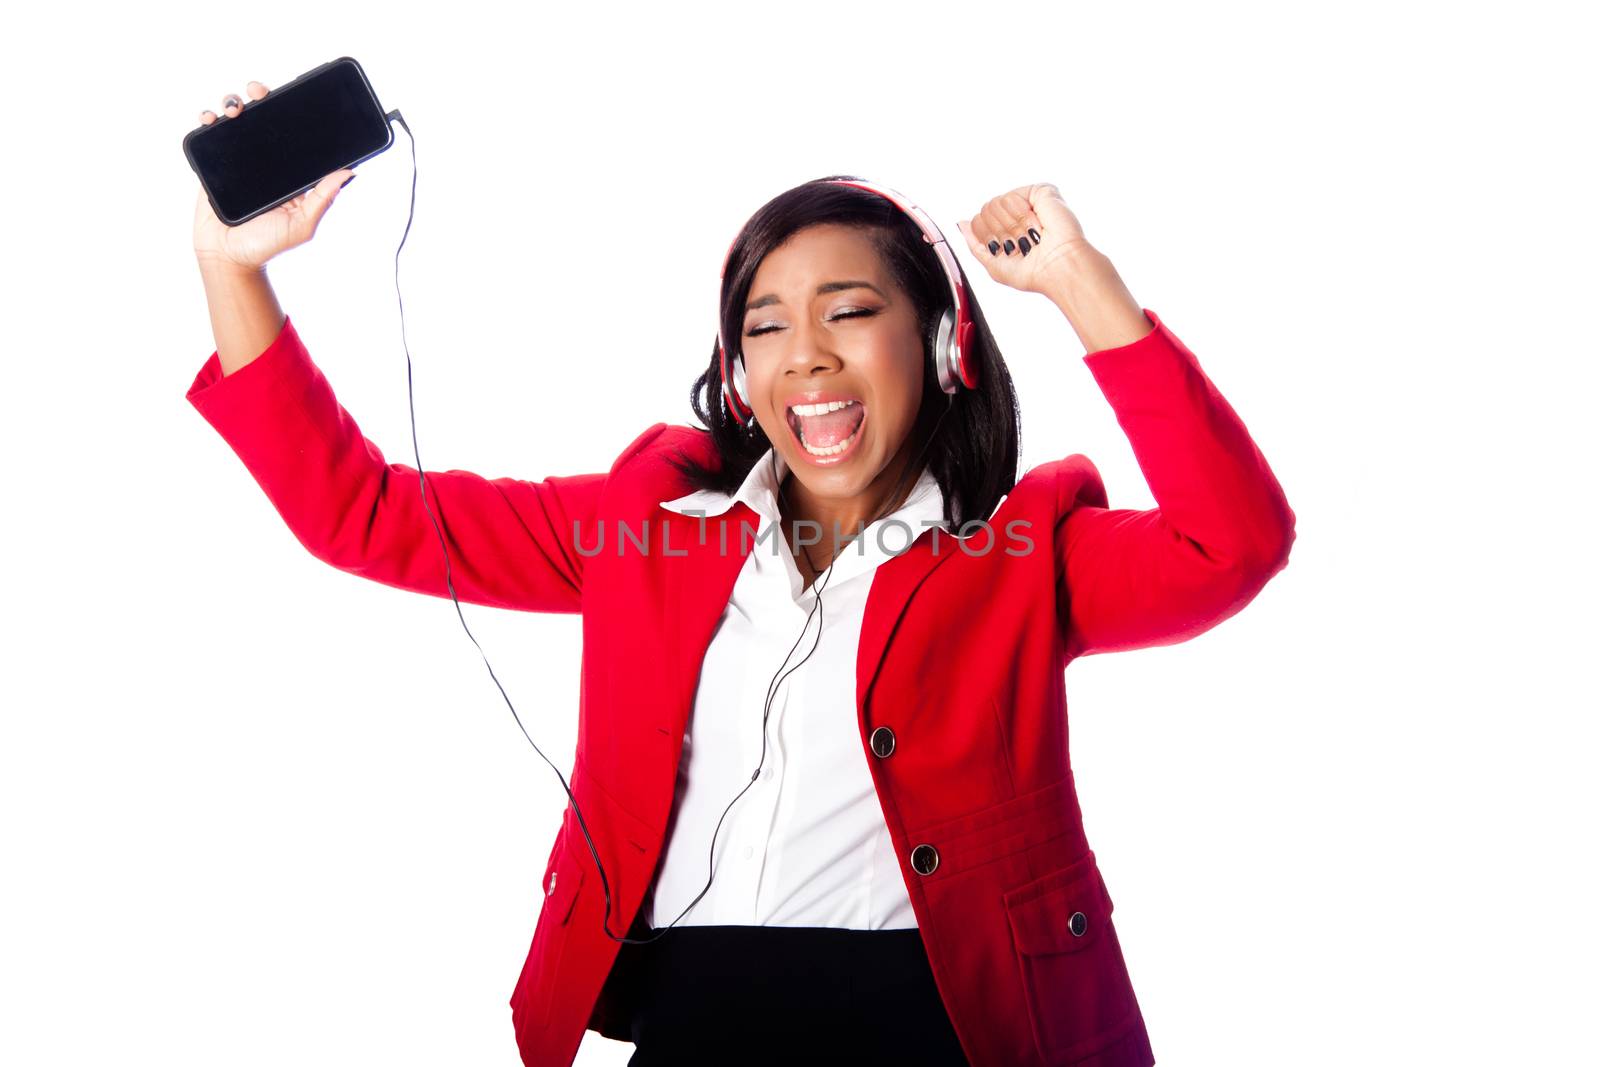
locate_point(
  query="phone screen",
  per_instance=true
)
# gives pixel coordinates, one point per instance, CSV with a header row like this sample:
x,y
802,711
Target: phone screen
x,y
281,145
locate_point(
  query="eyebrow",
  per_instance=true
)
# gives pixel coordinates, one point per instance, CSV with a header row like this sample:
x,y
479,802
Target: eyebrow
x,y
825,287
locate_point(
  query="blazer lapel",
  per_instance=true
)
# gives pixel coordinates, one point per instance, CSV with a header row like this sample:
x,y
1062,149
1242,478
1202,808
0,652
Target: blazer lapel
x,y
893,584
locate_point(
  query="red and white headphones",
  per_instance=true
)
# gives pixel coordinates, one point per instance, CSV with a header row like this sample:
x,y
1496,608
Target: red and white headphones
x,y
952,357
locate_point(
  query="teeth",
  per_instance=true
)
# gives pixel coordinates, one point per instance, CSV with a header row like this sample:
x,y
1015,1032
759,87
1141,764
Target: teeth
x,y
821,409
833,450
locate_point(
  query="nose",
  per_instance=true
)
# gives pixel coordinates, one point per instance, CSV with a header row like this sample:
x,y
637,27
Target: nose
x,y
810,349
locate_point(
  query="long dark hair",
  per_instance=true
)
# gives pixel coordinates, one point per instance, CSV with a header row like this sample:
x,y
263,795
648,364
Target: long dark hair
x,y
973,457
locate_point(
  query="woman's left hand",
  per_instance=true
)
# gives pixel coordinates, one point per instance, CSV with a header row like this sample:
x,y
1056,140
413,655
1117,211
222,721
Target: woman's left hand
x,y
1026,238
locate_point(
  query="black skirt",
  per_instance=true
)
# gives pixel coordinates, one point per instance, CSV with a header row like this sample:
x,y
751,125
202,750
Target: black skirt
x,y
782,994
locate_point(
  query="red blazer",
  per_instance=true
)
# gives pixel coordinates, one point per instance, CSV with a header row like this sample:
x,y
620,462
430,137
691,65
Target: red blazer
x,y
962,654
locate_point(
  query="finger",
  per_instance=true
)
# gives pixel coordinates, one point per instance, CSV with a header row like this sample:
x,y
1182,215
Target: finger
x,y
326,191
974,245
232,105
982,231
999,231
255,89
1015,217
1033,221
1052,208
1002,233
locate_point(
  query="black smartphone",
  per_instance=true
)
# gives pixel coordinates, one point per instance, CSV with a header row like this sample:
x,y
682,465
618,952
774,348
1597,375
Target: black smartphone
x,y
283,144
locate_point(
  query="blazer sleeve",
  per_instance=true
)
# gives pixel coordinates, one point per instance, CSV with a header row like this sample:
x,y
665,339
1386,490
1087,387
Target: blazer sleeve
x,y
1221,528
512,543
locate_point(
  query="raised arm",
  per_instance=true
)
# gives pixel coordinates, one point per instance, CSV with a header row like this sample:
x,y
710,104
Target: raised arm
x,y
512,543
1126,578
1135,578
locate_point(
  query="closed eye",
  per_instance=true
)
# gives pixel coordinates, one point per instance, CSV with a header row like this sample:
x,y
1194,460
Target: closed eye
x,y
849,313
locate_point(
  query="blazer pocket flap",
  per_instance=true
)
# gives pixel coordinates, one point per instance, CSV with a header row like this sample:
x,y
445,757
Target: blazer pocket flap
x,y
1064,911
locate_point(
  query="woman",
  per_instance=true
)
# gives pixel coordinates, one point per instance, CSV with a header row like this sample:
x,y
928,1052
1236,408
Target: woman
x,y
890,864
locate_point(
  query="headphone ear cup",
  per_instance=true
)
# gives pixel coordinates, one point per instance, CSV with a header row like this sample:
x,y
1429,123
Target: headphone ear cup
x,y
968,368
734,391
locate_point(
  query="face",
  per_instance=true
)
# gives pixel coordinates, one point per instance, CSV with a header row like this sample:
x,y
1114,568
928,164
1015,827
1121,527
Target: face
x,y
834,362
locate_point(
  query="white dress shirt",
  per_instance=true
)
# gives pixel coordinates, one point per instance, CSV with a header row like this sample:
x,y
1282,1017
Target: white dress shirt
x,y
806,844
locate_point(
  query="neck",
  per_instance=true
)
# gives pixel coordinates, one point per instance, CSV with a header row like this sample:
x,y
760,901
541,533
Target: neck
x,y
831,523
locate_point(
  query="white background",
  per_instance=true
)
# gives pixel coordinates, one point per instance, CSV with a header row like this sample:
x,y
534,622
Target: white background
x,y
258,811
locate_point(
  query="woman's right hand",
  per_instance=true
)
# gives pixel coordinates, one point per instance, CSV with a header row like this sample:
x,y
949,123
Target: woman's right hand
x,y
291,223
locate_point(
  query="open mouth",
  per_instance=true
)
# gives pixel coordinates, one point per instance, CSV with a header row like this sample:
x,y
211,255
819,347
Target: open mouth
x,y
827,430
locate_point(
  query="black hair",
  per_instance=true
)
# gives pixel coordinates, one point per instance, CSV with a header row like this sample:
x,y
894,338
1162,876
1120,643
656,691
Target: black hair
x,y
974,456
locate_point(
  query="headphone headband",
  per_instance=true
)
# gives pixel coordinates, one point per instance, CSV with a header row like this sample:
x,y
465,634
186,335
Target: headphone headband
x,y
951,344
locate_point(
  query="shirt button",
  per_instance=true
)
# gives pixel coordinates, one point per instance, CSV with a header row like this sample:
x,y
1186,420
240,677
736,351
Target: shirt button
x,y
924,859
748,852
882,741
767,774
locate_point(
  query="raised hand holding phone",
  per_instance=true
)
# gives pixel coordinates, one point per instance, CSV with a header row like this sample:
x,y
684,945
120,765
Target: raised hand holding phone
x,y
250,245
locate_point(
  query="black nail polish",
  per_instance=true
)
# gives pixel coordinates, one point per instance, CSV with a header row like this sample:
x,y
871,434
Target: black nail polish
x,y
1009,246
994,247
347,181
1034,234
1022,245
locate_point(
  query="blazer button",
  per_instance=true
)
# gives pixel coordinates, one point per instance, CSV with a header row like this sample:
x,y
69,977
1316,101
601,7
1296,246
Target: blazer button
x,y
1078,923
882,741
924,859
552,887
